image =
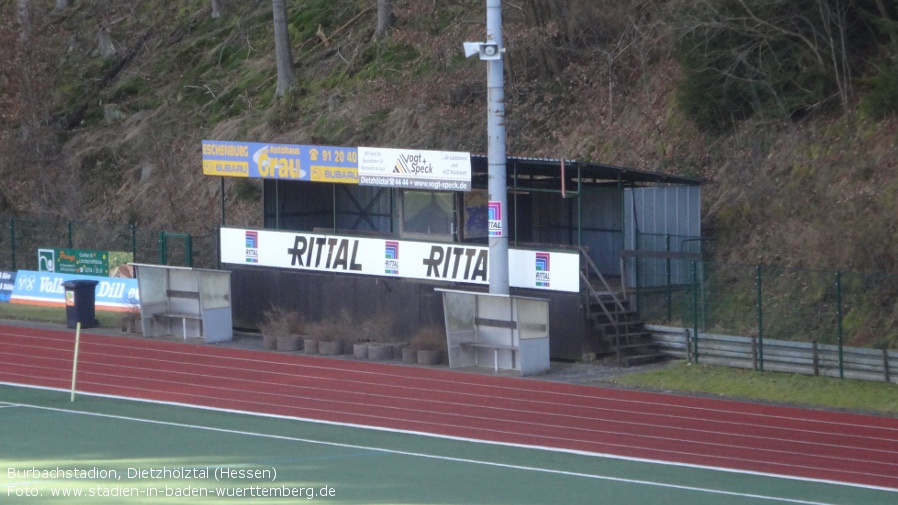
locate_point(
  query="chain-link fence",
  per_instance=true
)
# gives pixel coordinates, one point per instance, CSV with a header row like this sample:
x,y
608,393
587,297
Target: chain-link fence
x,y
768,302
20,239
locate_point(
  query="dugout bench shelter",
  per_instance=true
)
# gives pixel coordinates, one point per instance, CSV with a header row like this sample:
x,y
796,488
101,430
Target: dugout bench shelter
x,y
186,302
503,332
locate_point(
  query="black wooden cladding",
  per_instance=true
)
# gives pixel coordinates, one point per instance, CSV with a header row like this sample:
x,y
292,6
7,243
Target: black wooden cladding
x,y
414,303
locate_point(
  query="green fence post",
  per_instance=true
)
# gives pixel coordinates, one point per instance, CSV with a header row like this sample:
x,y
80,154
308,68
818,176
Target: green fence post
x,y
12,241
133,228
188,249
839,322
667,275
694,312
218,247
162,260
758,305
68,229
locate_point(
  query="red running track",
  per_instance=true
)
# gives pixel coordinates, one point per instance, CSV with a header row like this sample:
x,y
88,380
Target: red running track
x,y
795,442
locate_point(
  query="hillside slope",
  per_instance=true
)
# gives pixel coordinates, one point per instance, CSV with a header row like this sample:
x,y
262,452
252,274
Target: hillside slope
x,y
115,137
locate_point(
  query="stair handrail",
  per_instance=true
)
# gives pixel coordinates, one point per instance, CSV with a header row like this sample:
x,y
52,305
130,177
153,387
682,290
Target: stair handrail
x,y
592,267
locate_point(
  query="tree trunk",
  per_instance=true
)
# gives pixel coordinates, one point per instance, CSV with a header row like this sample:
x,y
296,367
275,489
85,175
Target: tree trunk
x,y
283,53
104,42
216,9
884,12
62,4
23,13
384,17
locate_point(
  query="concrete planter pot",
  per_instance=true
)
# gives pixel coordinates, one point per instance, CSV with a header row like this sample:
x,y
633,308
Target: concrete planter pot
x,y
409,356
289,342
310,346
380,352
360,350
429,357
330,348
398,347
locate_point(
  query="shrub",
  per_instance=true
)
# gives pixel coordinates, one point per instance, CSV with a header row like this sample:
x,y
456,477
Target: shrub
x,y
429,338
280,321
377,328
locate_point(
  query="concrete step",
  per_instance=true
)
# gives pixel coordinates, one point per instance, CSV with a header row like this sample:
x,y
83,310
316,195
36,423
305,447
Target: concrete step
x,y
642,359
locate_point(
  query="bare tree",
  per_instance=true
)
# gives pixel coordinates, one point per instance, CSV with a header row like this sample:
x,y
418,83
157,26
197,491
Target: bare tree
x,y
385,18
560,30
216,9
62,4
763,57
283,53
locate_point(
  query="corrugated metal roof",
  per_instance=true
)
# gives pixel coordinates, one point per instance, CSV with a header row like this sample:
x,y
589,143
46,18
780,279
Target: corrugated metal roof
x,y
595,172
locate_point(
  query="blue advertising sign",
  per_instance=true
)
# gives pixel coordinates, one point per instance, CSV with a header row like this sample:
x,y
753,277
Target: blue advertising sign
x,y
45,288
281,161
7,282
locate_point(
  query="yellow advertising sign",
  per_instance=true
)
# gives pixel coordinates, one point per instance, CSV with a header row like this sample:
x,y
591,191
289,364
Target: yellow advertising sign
x,y
226,168
334,174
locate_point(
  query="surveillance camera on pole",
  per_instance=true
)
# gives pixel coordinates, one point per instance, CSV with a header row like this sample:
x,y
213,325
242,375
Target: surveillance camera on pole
x,y
486,50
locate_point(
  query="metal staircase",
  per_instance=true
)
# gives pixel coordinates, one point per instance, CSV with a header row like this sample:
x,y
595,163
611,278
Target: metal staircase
x,y
620,329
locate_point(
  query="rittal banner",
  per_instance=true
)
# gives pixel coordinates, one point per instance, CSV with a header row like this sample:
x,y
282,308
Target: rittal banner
x,y
546,270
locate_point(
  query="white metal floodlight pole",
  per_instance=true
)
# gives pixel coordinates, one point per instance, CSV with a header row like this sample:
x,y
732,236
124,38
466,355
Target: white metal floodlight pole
x,y
491,51
498,187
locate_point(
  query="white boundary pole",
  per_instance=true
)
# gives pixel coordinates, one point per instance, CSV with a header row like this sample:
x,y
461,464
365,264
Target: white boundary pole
x,y
75,360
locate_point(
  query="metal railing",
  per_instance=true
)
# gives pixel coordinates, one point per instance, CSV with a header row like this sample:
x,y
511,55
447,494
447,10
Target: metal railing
x,y
21,237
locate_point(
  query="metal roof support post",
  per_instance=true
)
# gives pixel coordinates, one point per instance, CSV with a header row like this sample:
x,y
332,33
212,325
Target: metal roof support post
x,y
223,201
498,187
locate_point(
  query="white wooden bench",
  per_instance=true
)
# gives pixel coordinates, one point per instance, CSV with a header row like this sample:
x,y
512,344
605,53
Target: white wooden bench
x,y
496,347
183,316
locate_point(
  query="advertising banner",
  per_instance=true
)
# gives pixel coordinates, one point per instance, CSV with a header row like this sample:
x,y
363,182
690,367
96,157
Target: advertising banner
x,y
73,261
7,282
406,168
368,166
281,161
45,288
547,270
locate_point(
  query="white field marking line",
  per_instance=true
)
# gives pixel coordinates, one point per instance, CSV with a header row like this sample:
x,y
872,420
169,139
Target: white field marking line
x,y
148,347
356,412
465,439
671,416
485,441
679,428
437,457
